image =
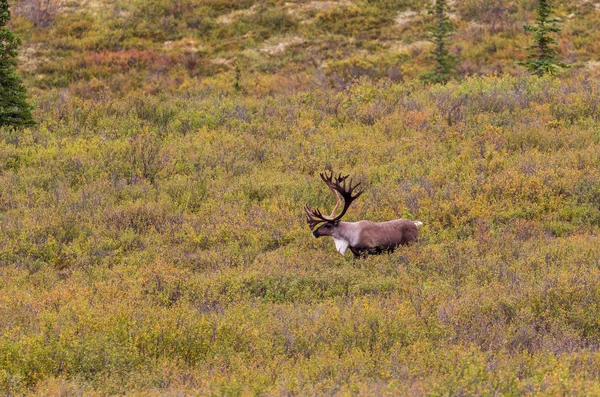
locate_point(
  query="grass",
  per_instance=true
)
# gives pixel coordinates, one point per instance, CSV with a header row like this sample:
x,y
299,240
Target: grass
x,y
140,255
152,240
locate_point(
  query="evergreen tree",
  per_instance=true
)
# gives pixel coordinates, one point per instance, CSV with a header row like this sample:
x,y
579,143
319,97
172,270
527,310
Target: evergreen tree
x,y
237,82
14,110
439,31
542,56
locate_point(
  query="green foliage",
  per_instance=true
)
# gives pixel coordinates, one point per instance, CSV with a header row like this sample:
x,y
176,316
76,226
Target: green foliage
x,y
152,240
148,240
439,31
394,5
362,21
542,54
14,110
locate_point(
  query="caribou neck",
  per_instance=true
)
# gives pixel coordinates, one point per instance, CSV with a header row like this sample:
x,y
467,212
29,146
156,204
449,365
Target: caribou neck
x,y
347,231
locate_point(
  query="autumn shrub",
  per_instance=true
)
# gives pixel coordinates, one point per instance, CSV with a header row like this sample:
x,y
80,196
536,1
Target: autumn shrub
x,y
222,5
351,20
273,20
41,13
394,5
152,234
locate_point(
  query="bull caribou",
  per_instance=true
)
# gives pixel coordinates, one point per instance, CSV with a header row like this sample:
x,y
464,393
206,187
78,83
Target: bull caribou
x,y
362,237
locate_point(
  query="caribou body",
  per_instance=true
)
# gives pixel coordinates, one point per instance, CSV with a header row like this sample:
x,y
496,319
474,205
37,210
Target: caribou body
x,y
363,237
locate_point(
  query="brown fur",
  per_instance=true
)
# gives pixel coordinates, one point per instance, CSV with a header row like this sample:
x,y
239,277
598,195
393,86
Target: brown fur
x,y
367,237
386,235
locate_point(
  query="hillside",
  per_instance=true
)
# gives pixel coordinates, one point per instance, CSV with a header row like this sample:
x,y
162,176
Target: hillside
x,y
160,45
152,236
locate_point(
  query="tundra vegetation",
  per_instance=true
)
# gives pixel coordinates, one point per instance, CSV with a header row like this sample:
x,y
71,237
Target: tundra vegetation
x,y
14,110
152,235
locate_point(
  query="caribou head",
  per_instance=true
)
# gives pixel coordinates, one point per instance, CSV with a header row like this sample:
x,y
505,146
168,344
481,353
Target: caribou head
x,y
363,237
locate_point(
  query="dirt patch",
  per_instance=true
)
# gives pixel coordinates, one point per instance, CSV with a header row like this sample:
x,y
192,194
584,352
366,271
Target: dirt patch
x,y
235,15
282,45
325,5
222,61
405,17
416,46
188,44
593,65
305,10
31,56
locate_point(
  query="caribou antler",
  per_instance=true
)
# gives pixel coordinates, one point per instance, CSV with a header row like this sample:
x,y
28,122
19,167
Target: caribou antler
x,y
329,182
339,188
314,217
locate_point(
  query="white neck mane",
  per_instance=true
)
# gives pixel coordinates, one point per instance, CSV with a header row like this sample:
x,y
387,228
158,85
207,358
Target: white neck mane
x,y
341,245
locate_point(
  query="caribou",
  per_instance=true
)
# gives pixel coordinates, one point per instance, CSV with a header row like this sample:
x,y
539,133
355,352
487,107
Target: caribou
x,y
362,237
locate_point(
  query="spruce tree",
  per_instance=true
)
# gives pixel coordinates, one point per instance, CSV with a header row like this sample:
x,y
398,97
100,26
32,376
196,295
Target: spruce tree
x,y
542,56
439,31
14,110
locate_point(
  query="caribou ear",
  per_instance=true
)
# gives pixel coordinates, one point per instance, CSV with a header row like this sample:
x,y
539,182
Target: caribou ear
x,y
337,222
